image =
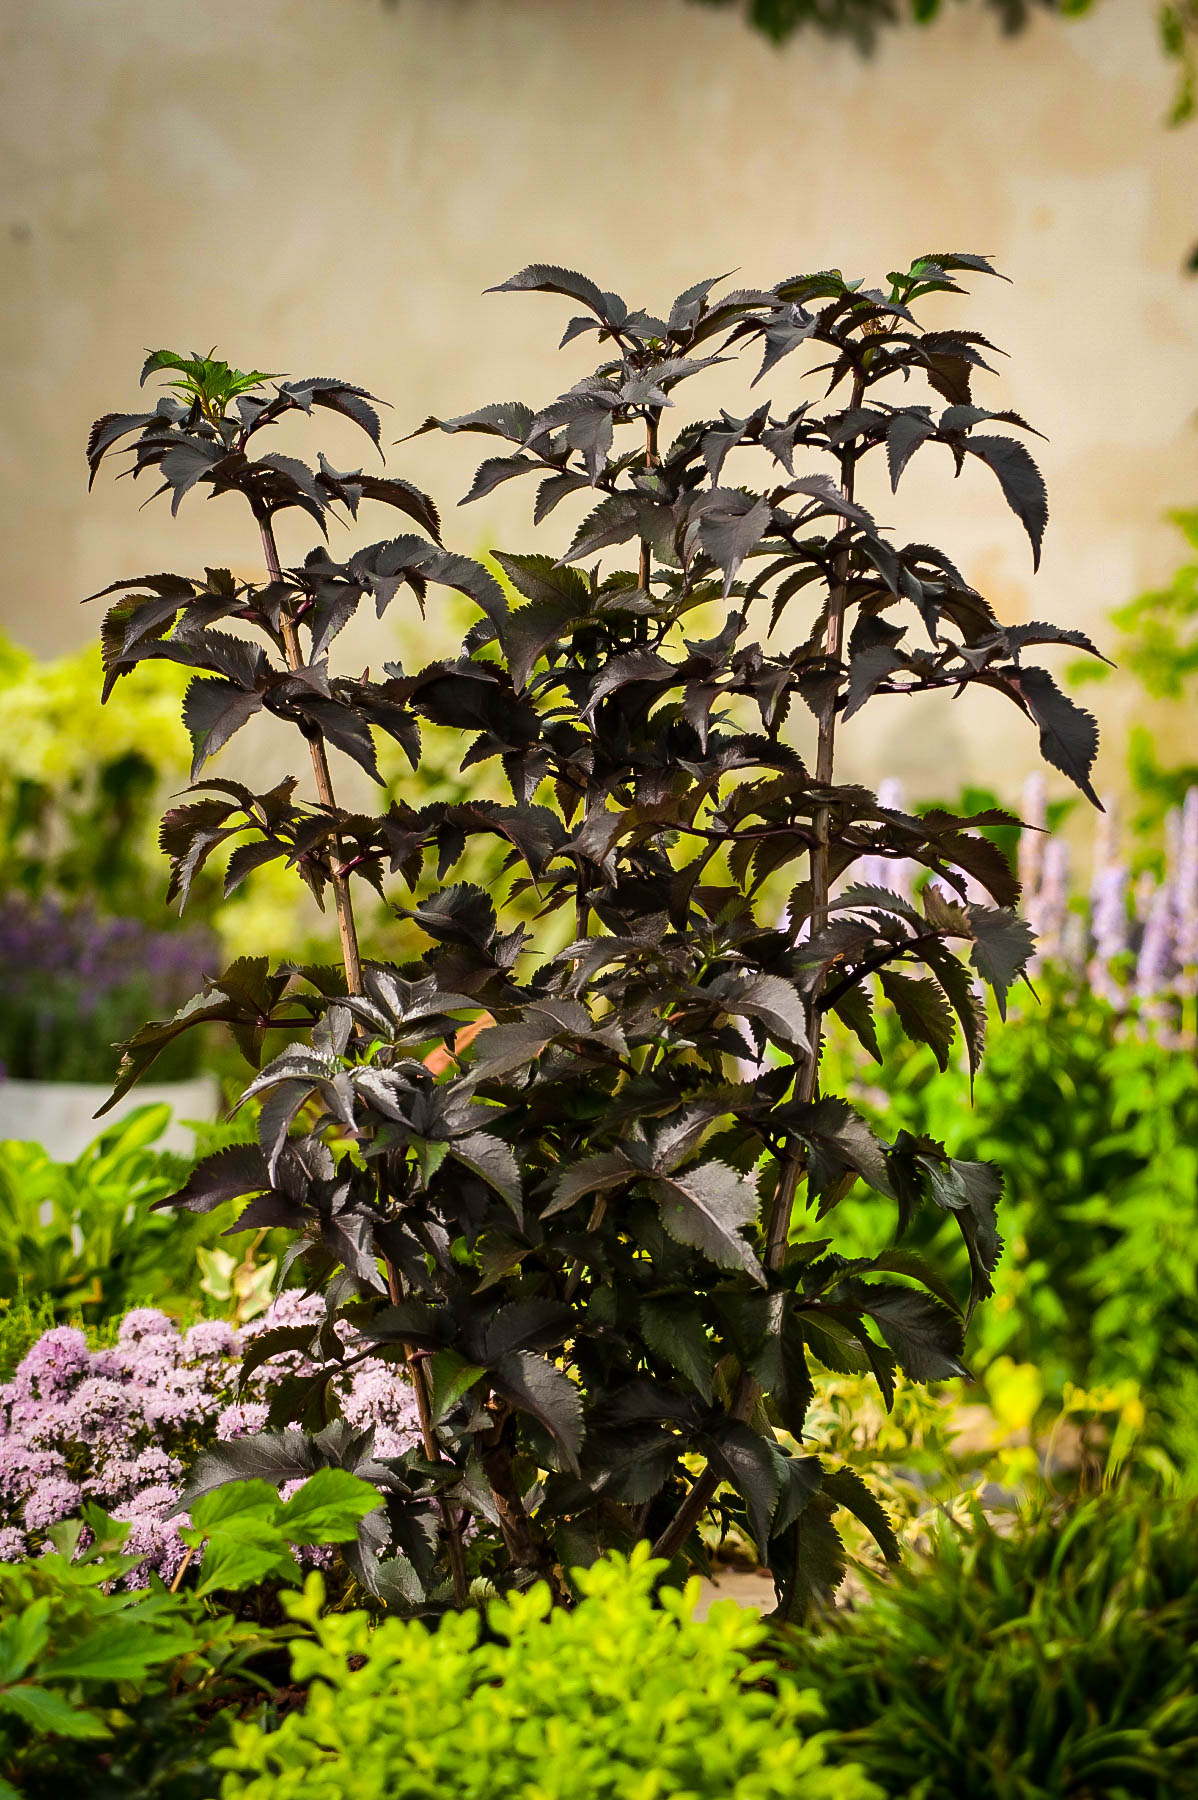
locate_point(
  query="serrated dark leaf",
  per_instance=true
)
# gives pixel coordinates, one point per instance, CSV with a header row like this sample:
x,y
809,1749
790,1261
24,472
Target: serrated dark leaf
x,y
227,1174
749,1463
729,532
1068,733
492,1161
907,431
847,1489
547,278
709,1208
925,1336
535,1386
672,1326
1021,482
922,1011
212,711
836,1139
1003,944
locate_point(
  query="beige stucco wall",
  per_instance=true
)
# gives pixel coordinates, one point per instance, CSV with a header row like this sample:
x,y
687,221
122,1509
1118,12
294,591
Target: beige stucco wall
x,y
325,186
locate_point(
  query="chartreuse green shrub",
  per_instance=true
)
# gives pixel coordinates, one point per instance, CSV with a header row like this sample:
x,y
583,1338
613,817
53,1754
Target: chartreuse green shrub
x,y
1060,1660
627,1696
99,1690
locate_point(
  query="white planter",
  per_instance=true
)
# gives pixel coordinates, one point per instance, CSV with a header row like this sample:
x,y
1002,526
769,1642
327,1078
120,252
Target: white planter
x,y
61,1114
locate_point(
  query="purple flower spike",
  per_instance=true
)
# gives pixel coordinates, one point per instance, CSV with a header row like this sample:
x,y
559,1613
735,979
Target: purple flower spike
x,y
1110,926
1186,898
1155,962
1032,842
1047,909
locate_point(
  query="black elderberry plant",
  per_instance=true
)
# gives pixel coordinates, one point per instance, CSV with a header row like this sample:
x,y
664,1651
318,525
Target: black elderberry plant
x,y
581,1191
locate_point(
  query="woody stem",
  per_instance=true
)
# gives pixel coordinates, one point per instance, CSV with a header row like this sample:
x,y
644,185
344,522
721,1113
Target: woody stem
x,y
350,954
778,1228
745,1394
418,1375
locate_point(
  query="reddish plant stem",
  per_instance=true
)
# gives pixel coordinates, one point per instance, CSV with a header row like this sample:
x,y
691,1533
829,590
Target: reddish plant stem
x,y
350,954
352,959
418,1375
745,1394
646,564
778,1227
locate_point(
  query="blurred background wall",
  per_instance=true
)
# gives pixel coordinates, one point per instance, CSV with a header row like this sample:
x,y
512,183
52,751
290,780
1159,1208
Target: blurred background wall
x,y
326,186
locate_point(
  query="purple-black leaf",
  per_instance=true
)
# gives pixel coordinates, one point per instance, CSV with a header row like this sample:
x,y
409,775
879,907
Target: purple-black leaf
x,y
1021,482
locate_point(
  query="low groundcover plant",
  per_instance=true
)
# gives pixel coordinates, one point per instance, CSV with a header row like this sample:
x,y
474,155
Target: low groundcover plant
x,y
579,1228
621,1696
113,1685
81,1241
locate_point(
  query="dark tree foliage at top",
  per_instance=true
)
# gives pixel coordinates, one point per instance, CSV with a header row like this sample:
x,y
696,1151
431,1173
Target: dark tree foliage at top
x,y
862,20
587,1193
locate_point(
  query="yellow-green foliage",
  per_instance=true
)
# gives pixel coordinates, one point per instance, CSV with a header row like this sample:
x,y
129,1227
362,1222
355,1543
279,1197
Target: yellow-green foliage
x,y
81,787
622,1698
937,1450
54,731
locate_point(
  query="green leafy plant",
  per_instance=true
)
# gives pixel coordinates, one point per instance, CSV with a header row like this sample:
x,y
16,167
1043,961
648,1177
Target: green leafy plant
x,y
125,1692
1054,1660
862,22
247,1533
203,381
241,1285
558,1173
80,787
623,1695
82,1240
1097,1126
1161,626
106,1689
1160,648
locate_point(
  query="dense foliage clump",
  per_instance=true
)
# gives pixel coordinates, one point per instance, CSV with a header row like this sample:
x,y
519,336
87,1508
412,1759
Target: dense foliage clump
x,y
556,1171
622,1695
1056,1660
115,1687
1098,1126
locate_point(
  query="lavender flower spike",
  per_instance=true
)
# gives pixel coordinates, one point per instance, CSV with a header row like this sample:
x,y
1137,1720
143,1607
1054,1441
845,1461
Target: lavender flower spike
x,y
1032,842
1047,907
1155,961
1111,931
1186,898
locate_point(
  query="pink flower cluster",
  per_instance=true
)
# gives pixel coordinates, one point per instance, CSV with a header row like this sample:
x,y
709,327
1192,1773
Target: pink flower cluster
x,y
121,1426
